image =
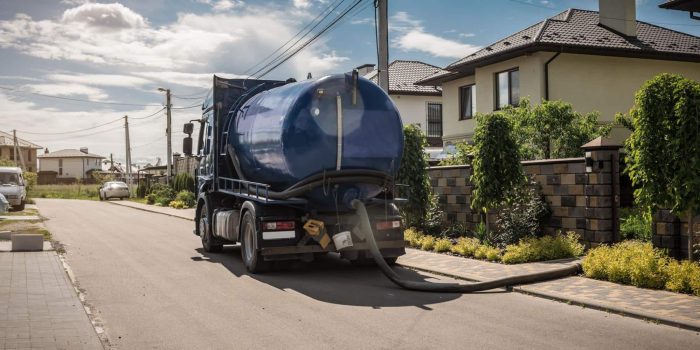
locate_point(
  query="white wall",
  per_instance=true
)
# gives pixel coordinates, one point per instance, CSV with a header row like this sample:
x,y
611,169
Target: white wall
x,y
72,167
413,109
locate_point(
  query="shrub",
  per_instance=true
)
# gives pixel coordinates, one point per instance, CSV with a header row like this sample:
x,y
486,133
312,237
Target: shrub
x,y
487,253
413,173
466,246
427,243
629,262
141,190
160,194
187,198
462,156
184,182
543,248
177,204
636,224
683,277
30,179
413,237
523,218
442,245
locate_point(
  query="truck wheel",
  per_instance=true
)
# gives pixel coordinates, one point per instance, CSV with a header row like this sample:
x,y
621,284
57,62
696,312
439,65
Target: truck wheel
x,y
252,259
208,242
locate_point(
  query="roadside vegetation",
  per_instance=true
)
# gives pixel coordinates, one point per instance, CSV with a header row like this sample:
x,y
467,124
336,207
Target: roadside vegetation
x,y
179,196
74,191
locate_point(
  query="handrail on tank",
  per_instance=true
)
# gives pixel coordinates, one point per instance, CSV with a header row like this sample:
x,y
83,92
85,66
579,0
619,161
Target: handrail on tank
x,y
237,185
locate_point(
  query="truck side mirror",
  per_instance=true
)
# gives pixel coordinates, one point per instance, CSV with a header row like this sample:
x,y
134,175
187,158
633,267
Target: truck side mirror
x,y
188,129
187,145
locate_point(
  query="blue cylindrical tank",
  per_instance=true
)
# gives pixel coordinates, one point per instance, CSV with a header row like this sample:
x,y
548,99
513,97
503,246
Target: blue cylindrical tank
x,y
284,135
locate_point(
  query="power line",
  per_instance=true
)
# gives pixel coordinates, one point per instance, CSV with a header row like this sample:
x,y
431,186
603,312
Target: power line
x,y
80,136
189,98
312,39
86,129
14,90
327,11
149,143
150,115
188,107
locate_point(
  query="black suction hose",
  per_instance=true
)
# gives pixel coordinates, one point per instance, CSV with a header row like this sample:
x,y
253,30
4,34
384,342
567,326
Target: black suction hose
x,y
366,226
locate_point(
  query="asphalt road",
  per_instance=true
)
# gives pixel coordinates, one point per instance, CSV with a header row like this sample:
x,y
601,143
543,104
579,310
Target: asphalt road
x,y
152,287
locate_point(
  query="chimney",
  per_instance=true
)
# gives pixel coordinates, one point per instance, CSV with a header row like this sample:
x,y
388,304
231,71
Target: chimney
x,y
46,150
364,69
618,15
84,150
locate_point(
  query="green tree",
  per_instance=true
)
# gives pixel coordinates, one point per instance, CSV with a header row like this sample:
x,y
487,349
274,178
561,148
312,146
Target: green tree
x,y
413,173
552,129
7,162
462,157
496,169
664,149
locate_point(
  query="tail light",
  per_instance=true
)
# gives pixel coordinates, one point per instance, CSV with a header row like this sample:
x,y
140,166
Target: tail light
x,y
388,225
278,225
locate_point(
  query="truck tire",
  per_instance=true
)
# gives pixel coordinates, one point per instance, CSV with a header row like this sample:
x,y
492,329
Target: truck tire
x,y
208,242
252,259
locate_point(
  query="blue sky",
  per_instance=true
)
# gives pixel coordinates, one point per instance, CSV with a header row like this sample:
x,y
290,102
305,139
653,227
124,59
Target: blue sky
x,y
121,52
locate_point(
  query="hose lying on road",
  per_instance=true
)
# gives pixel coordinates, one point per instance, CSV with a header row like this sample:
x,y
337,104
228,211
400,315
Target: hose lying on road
x,y
366,226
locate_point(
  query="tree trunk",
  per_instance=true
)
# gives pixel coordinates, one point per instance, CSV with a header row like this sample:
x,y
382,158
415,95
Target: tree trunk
x,y
691,233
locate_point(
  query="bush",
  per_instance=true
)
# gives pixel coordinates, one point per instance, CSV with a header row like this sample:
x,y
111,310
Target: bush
x,y
177,204
184,182
466,246
636,224
187,198
543,248
485,252
427,243
30,179
461,157
413,173
629,262
141,190
683,277
523,218
413,237
442,245
161,194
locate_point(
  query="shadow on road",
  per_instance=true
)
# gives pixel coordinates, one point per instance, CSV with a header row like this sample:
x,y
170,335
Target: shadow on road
x,y
334,280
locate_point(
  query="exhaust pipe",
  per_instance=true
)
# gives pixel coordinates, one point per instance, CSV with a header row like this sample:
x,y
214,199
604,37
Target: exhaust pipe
x,y
366,226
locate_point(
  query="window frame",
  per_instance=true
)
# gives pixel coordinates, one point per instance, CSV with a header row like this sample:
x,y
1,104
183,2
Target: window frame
x,y
472,95
497,89
427,118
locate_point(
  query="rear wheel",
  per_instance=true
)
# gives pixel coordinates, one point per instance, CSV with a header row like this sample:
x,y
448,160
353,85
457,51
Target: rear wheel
x,y
20,207
252,259
208,242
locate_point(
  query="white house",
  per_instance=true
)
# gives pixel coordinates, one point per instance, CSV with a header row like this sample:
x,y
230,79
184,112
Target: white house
x,y
420,105
70,163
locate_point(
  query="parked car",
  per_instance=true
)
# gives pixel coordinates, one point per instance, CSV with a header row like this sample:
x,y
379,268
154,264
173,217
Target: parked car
x,y
12,187
114,189
4,204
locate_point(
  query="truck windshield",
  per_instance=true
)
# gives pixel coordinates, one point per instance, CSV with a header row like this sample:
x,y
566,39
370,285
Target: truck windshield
x,y
9,179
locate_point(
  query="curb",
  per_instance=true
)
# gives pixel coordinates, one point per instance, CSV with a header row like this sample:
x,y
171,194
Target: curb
x,y
150,211
525,289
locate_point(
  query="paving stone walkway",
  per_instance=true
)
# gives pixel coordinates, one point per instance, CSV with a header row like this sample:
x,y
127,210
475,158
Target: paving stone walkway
x,y
661,306
187,214
39,308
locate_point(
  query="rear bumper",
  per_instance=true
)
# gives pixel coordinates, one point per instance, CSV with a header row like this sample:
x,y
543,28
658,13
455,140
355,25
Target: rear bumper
x,y
14,201
117,193
359,246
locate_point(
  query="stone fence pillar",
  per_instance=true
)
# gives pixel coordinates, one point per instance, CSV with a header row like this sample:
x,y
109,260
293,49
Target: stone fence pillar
x,y
602,191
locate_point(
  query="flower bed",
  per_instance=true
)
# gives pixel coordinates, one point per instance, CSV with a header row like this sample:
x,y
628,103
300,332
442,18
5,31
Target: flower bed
x,y
527,250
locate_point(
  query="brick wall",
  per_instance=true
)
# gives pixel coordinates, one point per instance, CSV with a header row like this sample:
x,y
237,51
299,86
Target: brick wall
x,y
582,197
670,232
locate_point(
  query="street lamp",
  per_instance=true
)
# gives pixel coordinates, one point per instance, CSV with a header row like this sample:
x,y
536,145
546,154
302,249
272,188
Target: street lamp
x,y
168,132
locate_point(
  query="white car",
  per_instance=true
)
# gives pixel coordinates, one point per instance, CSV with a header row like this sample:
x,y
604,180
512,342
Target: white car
x,y
114,189
12,187
4,204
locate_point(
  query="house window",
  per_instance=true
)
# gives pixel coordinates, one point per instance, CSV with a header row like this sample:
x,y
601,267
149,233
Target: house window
x,y
60,167
434,114
507,88
467,102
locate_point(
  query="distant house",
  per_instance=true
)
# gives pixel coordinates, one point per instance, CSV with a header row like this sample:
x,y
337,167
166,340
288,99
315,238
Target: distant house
x,y
594,60
420,105
26,149
68,165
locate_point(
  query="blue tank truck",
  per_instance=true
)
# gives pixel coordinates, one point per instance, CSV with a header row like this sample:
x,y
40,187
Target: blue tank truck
x,y
281,163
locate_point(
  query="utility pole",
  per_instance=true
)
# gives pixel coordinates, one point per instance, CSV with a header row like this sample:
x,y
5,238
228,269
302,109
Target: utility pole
x,y
169,134
128,150
18,150
383,45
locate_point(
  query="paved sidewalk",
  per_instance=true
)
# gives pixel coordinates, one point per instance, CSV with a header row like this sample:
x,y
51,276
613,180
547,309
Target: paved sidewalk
x,y
39,308
187,214
660,306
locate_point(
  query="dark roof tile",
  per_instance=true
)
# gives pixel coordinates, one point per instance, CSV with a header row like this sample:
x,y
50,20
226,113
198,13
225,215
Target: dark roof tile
x,y
404,74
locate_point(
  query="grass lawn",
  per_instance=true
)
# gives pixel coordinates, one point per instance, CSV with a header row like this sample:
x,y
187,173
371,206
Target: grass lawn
x,y
65,191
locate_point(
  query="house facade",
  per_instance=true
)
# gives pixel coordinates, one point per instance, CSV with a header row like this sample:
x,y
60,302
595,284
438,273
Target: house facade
x,y
26,151
417,104
68,165
596,61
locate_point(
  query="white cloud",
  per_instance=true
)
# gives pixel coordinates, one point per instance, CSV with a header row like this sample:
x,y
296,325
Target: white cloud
x,y
199,80
467,35
302,3
67,89
413,37
100,79
113,16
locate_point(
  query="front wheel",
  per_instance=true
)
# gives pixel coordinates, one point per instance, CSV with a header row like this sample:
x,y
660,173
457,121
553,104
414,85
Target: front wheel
x,y
208,243
20,207
252,259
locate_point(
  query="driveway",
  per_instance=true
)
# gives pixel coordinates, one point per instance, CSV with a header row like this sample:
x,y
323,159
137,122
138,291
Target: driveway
x,y
151,286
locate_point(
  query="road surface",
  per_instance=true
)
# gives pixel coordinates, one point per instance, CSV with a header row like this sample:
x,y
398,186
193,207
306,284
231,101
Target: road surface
x,y
152,287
